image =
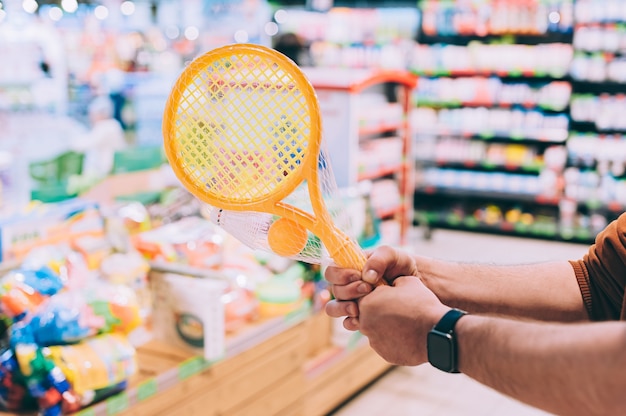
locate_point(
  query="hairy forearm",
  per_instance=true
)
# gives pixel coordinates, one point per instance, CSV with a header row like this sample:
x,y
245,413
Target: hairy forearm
x,y
572,369
544,291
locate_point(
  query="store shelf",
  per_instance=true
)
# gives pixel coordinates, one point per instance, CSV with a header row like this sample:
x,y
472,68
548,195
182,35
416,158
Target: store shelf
x,y
389,212
520,75
382,172
483,165
588,126
169,376
600,87
283,366
455,192
502,136
491,121
596,110
374,130
512,37
486,104
343,94
540,231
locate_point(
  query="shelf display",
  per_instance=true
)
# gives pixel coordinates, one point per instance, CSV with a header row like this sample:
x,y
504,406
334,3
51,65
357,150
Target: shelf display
x,y
361,117
66,324
504,60
491,114
362,37
594,177
480,18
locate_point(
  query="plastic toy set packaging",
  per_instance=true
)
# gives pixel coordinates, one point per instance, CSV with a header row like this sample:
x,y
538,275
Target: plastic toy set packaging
x,y
65,341
66,310
48,224
191,241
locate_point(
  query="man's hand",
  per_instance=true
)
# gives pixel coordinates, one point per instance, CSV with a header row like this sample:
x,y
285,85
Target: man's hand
x,y
349,285
396,320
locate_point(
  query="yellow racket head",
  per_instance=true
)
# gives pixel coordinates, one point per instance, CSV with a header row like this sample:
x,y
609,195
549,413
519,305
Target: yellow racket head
x,y
241,127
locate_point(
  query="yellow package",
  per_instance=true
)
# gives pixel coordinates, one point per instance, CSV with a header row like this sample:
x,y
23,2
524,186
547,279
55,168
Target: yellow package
x,y
97,362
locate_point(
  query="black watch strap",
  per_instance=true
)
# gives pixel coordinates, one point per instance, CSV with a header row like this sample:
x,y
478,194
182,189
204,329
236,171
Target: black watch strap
x,y
447,322
441,342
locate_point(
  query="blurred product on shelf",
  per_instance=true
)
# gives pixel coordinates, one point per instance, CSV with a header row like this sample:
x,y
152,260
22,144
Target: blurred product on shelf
x,y
67,332
193,241
475,58
379,155
491,91
282,293
462,18
201,307
354,37
48,225
597,11
489,122
191,314
599,41
605,112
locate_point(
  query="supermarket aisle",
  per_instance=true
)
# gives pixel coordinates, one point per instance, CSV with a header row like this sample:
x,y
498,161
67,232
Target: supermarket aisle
x,y
425,391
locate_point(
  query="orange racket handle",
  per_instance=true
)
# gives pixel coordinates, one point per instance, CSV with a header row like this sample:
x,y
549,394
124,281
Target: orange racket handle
x,y
344,251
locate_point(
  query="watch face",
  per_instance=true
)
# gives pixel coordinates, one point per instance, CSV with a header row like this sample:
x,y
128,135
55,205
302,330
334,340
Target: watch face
x,y
441,351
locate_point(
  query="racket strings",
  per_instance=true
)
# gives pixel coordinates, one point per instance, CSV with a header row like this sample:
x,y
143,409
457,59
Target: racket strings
x,y
252,228
254,134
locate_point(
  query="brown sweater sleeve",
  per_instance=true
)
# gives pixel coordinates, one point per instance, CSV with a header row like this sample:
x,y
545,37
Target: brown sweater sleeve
x,y
601,273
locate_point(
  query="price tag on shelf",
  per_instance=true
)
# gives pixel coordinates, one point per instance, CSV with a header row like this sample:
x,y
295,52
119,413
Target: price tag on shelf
x,y
190,367
147,389
87,412
117,404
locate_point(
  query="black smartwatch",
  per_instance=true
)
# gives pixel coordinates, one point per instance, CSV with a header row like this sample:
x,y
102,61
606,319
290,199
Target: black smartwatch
x,y
441,342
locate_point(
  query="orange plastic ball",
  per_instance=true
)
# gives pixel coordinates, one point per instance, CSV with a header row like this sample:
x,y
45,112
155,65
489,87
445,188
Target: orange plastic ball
x,y
287,238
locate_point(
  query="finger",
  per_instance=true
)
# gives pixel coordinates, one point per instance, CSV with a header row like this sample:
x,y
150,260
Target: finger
x,y
388,263
351,291
351,324
377,264
341,276
337,309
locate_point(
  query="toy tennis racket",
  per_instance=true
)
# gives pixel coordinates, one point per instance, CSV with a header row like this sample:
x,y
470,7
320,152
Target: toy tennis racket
x,y
242,131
